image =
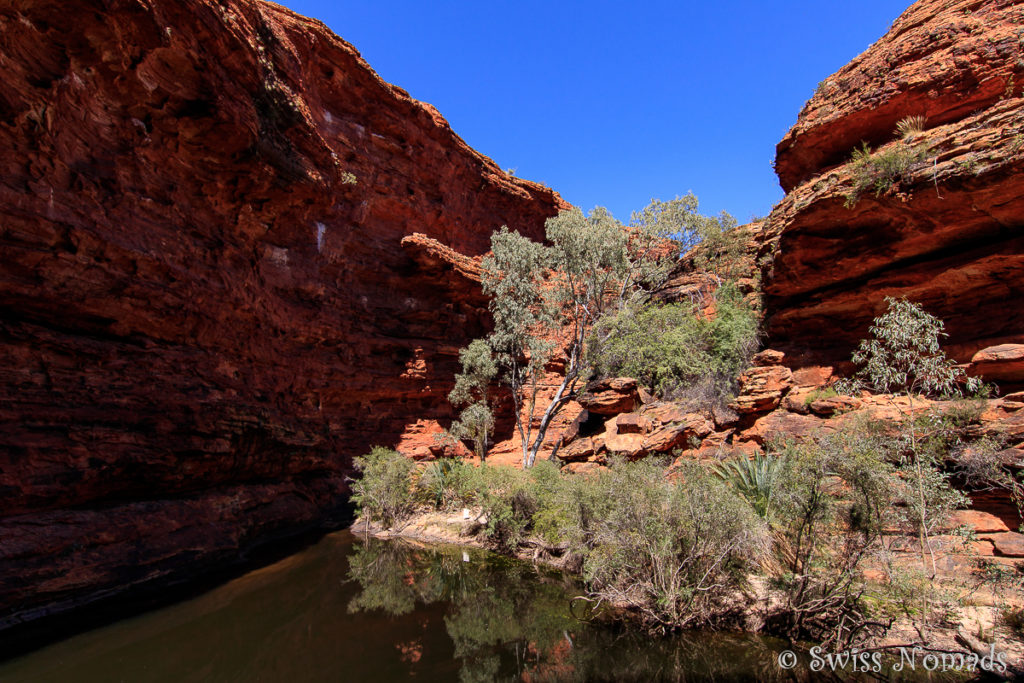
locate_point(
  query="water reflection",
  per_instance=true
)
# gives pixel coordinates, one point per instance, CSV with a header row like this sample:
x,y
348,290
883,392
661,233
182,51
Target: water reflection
x,y
353,610
510,620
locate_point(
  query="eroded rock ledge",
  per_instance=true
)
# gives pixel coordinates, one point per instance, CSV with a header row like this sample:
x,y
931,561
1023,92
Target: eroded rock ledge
x,y
947,231
205,305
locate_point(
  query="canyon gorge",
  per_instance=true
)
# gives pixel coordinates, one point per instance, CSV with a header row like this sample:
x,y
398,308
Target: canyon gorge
x,y
234,258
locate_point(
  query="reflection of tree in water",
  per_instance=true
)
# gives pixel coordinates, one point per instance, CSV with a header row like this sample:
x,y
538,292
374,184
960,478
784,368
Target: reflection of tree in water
x,y
395,576
519,624
509,620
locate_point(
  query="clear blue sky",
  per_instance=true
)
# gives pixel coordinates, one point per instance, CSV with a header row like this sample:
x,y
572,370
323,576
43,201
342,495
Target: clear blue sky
x,y
612,103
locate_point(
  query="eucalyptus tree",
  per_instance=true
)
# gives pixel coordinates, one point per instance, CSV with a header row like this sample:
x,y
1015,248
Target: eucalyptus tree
x,y
546,298
903,358
476,420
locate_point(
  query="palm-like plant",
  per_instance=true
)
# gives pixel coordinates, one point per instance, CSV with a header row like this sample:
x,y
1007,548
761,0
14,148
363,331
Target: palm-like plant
x,y
753,478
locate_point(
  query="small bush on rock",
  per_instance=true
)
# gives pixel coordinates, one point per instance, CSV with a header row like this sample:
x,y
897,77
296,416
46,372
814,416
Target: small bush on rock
x,y
880,170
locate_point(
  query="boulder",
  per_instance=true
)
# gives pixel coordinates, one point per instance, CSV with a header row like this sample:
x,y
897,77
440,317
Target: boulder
x,y
629,445
611,396
782,423
1002,363
663,439
1009,544
632,423
581,449
767,357
827,407
584,467
813,376
980,522
762,388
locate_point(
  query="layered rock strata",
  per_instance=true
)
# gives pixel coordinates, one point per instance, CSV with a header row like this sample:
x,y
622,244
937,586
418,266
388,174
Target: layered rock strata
x,y
934,214
206,304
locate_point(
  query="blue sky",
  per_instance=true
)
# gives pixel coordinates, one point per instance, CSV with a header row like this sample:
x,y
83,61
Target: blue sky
x,y
612,103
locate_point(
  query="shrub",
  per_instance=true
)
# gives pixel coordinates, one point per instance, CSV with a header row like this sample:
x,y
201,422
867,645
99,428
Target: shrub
x,y
672,348
879,171
520,503
674,551
903,358
818,394
836,495
903,355
448,483
503,494
723,250
476,421
384,490
909,126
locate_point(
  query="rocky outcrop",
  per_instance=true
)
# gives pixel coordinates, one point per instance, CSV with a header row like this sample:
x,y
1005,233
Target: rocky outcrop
x,y
774,406
936,216
211,293
611,396
941,60
762,388
1003,363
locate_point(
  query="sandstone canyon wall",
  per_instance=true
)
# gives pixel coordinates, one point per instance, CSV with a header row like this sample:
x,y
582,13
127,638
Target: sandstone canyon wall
x,y
207,306
948,231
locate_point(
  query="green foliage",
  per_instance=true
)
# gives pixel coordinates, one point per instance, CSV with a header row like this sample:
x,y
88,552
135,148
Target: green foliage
x,y
716,242
513,276
541,293
448,483
818,394
674,550
508,505
903,357
478,369
518,503
476,421
879,171
671,348
591,259
723,248
929,496
593,268
903,354
670,549
753,478
835,495
384,491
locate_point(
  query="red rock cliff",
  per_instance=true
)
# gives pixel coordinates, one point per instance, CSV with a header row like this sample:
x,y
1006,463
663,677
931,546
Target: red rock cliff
x,y
947,230
206,308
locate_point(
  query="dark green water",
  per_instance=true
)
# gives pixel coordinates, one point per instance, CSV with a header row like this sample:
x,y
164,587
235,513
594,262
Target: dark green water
x,y
349,610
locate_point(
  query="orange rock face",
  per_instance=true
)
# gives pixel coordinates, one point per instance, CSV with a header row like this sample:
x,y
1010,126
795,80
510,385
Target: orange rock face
x,y
945,231
762,388
1003,363
207,304
941,60
611,396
